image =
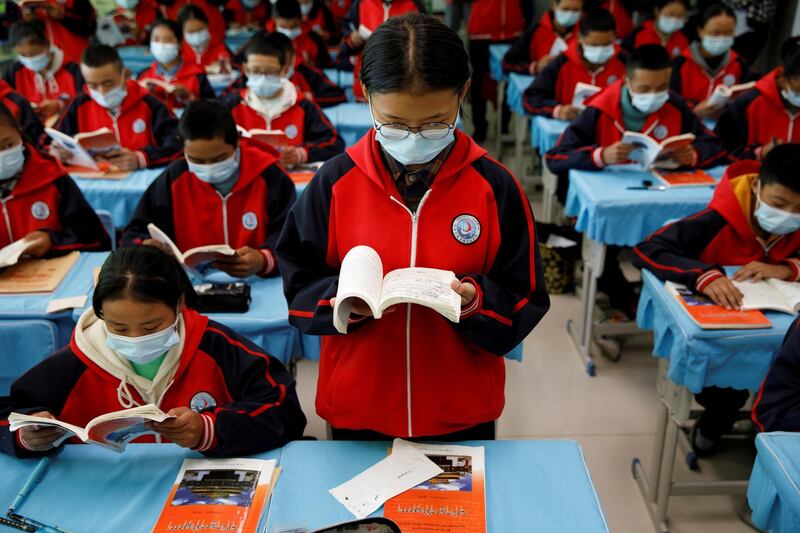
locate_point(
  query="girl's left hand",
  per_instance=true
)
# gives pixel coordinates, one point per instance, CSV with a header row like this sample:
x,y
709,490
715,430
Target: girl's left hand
x,y
756,271
185,430
467,291
39,243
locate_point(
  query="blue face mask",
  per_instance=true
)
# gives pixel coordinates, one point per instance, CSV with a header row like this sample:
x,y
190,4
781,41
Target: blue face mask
x,y
567,18
11,162
111,99
291,33
774,220
413,149
250,4
598,55
790,96
128,4
670,25
142,350
264,86
36,63
716,46
218,172
649,102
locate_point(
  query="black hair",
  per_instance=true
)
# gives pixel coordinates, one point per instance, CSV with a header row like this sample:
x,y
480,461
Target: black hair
x,y
790,45
780,166
208,119
100,55
287,9
191,12
269,44
597,20
715,10
416,53
7,118
648,57
31,31
661,4
791,64
142,273
171,25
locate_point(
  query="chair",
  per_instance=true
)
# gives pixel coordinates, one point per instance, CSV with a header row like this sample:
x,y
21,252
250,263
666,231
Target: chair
x,y
108,223
23,344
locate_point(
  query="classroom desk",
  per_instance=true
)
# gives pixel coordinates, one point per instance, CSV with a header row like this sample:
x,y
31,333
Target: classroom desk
x,y
88,488
235,39
530,485
517,84
119,197
545,133
496,72
691,358
608,213
351,120
774,491
136,58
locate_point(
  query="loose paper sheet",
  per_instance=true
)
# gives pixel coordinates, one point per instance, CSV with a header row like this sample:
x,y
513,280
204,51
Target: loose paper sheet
x,y
62,304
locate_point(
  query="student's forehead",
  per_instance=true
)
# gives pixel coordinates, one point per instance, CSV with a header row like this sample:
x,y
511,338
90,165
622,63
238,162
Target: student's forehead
x,y
651,76
263,60
110,71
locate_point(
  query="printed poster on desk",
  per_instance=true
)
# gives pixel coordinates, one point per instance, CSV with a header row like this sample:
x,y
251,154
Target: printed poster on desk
x,y
36,275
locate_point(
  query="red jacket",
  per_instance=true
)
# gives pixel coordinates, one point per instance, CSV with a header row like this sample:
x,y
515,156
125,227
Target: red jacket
x,y
555,86
676,45
152,10
242,16
65,85
189,75
495,20
23,112
338,9
72,32
320,20
46,199
621,15
695,84
309,46
252,214
413,373
215,52
144,124
755,118
535,43
246,397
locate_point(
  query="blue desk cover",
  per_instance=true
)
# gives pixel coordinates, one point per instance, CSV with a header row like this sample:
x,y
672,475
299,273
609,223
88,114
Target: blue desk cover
x,y
496,54
91,489
351,120
610,213
236,39
545,132
774,490
23,344
517,83
700,358
531,485
120,197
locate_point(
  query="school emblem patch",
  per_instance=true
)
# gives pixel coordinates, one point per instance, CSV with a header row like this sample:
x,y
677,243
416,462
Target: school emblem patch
x,y
729,79
291,131
466,229
139,126
660,132
250,221
40,210
611,79
202,400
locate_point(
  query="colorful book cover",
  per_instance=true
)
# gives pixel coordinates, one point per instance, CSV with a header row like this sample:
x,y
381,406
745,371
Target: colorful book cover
x,y
709,315
452,502
218,495
689,178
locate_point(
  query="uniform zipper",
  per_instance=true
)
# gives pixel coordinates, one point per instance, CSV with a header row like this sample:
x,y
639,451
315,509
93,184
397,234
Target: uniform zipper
x,y
791,127
224,215
414,225
7,218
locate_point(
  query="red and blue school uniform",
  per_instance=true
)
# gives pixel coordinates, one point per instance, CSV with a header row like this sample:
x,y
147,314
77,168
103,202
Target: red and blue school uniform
x,y
64,84
535,43
214,53
239,15
19,106
777,404
622,16
72,32
320,20
676,44
309,46
191,76
310,81
695,81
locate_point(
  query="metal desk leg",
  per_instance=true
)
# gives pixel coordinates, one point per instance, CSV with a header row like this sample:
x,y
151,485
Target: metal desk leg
x,y
501,94
549,199
593,254
520,133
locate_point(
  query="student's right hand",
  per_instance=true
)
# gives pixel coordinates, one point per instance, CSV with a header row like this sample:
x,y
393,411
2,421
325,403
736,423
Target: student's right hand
x,y
359,308
568,112
356,39
58,152
48,108
723,292
539,65
616,153
703,110
40,439
39,243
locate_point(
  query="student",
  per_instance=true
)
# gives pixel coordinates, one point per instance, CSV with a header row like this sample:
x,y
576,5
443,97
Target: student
x,y
423,193
68,23
41,202
134,18
247,13
272,102
543,42
147,132
485,27
318,19
665,28
200,47
310,47
710,62
23,112
40,73
766,115
777,404
361,20
170,10
188,79
753,221
141,343
623,12
591,59
233,192
338,9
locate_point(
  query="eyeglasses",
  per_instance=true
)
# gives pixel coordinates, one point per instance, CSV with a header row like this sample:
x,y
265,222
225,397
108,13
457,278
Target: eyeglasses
x,y
397,131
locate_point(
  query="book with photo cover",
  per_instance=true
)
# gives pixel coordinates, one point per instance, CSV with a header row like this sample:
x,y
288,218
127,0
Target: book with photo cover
x,y
708,315
36,275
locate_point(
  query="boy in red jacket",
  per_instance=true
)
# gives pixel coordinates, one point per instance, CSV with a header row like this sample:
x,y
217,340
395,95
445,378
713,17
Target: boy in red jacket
x,y
145,129
309,45
592,59
665,28
68,23
753,221
200,45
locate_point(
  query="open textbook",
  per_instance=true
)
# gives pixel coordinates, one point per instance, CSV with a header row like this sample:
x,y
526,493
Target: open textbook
x,y
275,138
111,430
361,277
582,92
196,257
84,146
36,275
770,295
649,153
219,495
708,315
10,254
724,93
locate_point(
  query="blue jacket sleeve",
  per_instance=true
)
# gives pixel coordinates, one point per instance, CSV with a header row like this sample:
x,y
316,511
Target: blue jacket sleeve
x,y
732,127
540,97
576,145
777,405
322,141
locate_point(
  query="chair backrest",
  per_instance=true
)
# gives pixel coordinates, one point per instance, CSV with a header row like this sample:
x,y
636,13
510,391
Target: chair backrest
x,y
23,344
108,222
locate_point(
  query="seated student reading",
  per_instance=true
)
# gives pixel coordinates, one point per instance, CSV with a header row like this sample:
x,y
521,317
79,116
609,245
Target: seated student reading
x,y
170,10
768,114
226,191
309,45
200,46
591,59
421,193
42,203
251,14
664,29
142,343
145,129
317,17
68,23
270,101
41,74
182,81
543,42
777,404
710,63
753,221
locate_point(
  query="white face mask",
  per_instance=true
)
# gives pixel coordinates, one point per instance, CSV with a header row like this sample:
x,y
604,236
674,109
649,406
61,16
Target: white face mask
x,y
11,162
305,9
567,18
774,220
292,33
218,172
112,99
670,24
130,5
649,102
142,350
716,46
264,86
198,39
250,4
36,63
164,52
790,96
414,149
598,55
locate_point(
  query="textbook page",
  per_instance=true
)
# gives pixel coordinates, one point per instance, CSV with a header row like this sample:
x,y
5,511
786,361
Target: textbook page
x,y
9,255
789,292
361,276
760,295
37,275
158,235
582,92
428,287
78,156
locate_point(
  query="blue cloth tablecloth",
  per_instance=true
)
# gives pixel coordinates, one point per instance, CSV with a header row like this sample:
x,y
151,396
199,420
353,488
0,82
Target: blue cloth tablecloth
x,y
530,485
136,58
517,83
699,357
610,213
496,54
545,132
119,197
236,39
88,488
774,489
351,120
